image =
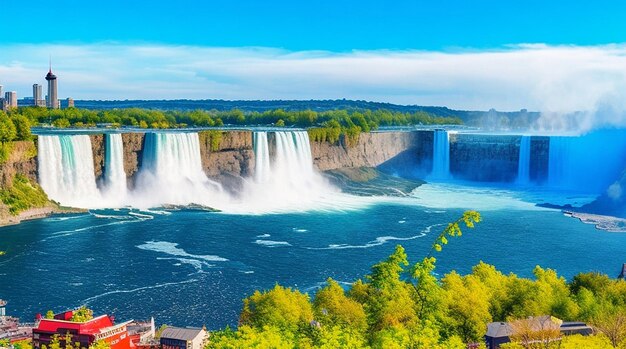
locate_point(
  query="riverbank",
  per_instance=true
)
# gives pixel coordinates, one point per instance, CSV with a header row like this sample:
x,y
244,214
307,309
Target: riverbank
x,y
34,213
606,223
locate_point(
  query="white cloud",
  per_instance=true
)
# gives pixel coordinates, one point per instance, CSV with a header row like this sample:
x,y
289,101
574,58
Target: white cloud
x,y
556,80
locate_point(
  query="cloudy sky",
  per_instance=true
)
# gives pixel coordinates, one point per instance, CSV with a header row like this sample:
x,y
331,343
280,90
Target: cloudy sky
x,y
555,58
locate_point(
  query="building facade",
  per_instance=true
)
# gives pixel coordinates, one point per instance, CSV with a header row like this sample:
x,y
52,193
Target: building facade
x,y
100,328
11,99
53,95
184,338
70,102
38,96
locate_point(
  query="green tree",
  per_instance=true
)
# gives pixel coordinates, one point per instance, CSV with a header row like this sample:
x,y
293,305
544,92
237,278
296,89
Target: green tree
x,y
281,307
7,129
61,123
82,314
22,127
334,308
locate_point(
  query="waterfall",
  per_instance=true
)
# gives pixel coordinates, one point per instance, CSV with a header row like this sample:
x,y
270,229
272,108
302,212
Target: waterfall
x,y
294,164
114,175
171,172
66,169
288,181
261,157
441,155
559,161
523,164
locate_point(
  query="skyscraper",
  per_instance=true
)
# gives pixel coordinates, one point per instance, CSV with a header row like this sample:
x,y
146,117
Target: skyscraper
x,y
1,93
37,94
11,99
53,99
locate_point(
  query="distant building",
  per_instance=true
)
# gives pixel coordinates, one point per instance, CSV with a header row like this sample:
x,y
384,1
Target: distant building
x,y
11,99
184,338
3,104
85,333
70,102
499,333
1,88
38,96
53,96
142,335
10,327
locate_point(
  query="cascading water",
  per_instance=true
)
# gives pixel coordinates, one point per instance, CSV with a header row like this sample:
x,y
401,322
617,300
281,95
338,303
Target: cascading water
x,y
114,175
261,158
66,170
441,155
523,164
288,181
559,161
293,164
171,172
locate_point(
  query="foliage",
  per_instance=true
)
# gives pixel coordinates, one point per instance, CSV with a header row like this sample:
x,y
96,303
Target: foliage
x,y
22,127
7,128
160,330
328,126
100,344
23,344
23,195
213,138
49,314
281,307
82,314
5,151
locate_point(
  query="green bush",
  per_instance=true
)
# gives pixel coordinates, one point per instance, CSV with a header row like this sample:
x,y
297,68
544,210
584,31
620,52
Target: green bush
x,y
23,195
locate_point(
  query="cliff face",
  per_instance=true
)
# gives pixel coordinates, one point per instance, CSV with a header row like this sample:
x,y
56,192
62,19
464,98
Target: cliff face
x,y
98,149
372,150
133,147
22,159
495,158
227,153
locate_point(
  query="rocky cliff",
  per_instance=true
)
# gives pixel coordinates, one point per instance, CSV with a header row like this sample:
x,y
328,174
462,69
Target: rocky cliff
x,y
372,150
495,158
22,159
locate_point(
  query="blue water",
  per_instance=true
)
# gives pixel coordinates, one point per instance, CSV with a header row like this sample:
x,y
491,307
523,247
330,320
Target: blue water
x,y
194,267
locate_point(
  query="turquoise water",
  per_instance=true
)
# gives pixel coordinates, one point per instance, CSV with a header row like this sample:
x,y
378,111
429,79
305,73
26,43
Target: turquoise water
x,y
194,267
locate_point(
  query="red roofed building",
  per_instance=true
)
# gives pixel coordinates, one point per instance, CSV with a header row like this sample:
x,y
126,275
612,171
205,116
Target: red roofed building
x,y
84,333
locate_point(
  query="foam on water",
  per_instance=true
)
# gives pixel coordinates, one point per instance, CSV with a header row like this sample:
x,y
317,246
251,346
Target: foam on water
x,y
172,249
381,240
270,243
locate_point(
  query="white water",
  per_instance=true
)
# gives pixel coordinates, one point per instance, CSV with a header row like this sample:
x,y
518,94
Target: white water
x,y
171,173
523,165
114,175
66,170
288,181
441,156
261,158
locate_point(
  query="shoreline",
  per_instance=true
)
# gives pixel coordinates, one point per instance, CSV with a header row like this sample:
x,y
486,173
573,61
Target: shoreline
x,y
37,213
601,222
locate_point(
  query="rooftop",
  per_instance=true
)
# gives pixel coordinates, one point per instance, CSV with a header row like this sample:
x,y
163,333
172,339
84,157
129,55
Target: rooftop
x,y
185,334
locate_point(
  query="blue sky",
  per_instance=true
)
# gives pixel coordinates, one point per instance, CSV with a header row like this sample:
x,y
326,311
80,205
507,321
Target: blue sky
x,y
318,25
551,56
